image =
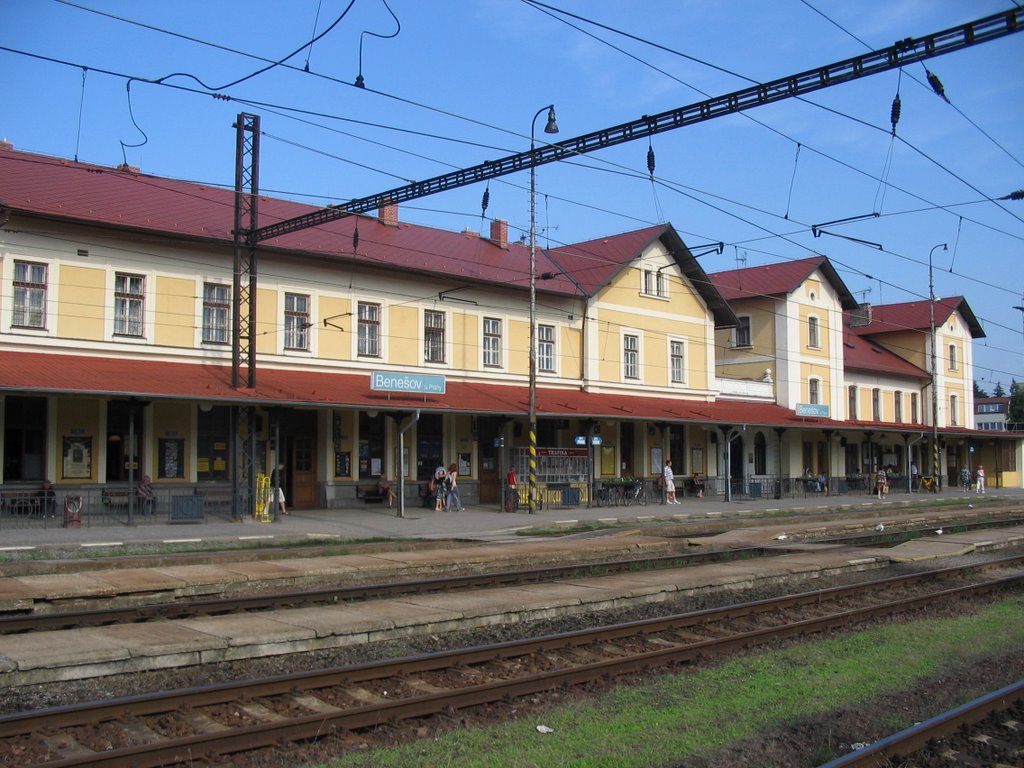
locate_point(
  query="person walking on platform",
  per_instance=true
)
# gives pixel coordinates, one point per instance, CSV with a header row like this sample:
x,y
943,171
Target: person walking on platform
x,y
511,491
276,480
965,479
670,483
980,487
882,483
440,475
454,503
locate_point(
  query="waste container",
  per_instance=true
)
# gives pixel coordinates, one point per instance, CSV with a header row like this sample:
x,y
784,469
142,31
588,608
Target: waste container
x,y
778,489
72,511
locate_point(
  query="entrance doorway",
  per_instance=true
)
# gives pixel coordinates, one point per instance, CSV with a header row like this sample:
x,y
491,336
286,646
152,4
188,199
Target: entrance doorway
x,y
489,429
298,436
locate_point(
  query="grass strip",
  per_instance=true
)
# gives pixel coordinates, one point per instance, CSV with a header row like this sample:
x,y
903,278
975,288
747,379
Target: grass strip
x,y
684,715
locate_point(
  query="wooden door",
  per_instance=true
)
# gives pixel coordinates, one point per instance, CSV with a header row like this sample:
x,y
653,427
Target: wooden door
x,y
302,470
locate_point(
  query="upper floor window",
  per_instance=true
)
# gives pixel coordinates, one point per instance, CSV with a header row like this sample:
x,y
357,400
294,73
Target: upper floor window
x,y
852,405
954,410
631,356
742,333
898,406
655,283
546,348
913,408
492,342
216,311
296,321
876,404
368,317
813,339
29,295
129,304
677,362
952,357
814,391
433,336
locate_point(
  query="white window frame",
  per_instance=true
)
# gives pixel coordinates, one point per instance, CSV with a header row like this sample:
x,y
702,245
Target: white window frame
x,y
297,321
216,324
30,294
368,329
738,340
677,353
547,348
492,341
435,337
814,390
631,356
129,305
813,332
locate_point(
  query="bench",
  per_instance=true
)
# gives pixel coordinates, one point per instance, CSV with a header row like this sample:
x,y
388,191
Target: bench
x,y
115,498
26,502
369,494
219,499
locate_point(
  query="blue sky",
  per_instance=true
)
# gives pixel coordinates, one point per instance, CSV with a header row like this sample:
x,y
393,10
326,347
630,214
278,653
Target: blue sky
x,y
461,80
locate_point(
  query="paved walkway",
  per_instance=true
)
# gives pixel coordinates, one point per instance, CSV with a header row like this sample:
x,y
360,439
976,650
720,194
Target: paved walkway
x,y
481,522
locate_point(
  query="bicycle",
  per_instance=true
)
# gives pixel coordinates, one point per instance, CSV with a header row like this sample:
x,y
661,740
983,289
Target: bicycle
x,y
638,495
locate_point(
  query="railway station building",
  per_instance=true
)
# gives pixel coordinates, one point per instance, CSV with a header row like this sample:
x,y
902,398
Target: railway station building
x,y
385,348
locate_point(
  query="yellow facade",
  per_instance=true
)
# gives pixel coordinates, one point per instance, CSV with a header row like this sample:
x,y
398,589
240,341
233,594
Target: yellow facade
x,y
78,424
82,296
175,316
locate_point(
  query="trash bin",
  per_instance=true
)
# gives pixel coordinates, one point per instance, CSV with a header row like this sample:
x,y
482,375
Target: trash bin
x,y
72,511
778,489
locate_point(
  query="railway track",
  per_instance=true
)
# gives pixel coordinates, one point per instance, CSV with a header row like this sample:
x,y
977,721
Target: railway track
x,y
988,731
269,601
211,722
36,622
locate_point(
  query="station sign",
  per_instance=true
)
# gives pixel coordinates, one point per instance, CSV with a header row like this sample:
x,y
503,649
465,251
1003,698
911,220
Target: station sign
x,y
417,383
812,409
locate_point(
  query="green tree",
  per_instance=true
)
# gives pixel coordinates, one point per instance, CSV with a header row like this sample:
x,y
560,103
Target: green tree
x,y
999,391
978,391
1016,412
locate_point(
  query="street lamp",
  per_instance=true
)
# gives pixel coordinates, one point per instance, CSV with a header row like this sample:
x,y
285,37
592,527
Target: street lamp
x,y
935,392
1021,310
551,127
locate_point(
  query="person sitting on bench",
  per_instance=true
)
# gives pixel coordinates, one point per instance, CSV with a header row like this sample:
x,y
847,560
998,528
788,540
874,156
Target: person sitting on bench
x,y
384,489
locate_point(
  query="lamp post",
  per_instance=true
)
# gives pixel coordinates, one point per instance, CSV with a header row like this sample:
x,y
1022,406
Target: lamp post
x,y
551,127
935,378
1021,310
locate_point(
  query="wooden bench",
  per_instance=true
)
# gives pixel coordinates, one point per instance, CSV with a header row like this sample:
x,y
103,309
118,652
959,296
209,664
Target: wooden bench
x,y
23,502
369,494
115,498
219,499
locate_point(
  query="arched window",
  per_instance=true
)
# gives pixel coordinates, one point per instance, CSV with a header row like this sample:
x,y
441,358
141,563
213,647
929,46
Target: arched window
x,y
760,455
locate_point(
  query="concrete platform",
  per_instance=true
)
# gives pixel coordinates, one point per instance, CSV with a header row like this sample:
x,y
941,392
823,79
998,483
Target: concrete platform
x,y
73,654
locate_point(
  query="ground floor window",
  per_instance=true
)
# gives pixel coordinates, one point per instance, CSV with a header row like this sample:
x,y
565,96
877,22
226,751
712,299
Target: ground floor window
x,y
24,438
213,444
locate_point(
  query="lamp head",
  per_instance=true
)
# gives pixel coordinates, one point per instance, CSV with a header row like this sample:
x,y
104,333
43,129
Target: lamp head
x,y
552,126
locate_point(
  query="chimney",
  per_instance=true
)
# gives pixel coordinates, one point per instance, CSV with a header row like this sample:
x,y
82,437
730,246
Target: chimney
x,y
388,214
499,233
861,316
5,145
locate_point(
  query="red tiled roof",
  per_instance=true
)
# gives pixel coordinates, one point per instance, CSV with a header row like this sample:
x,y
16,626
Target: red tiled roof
x,y
30,372
150,379
54,188
779,279
916,316
860,354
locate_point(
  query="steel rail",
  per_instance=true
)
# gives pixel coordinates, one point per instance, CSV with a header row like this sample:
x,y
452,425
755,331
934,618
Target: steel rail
x,y
272,601
916,738
304,727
